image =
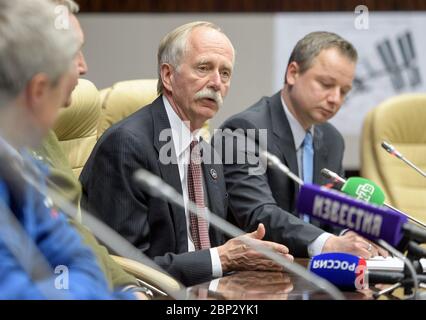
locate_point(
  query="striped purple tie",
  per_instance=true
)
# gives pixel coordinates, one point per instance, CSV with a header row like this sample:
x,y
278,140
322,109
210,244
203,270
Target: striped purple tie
x,y
198,225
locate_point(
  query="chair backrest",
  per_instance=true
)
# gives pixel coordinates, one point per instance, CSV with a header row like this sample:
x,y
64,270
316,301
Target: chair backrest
x,y
77,132
123,99
77,125
92,112
400,121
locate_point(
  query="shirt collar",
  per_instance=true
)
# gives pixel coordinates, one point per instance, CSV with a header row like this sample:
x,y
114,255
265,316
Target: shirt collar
x,y
181,133
296,128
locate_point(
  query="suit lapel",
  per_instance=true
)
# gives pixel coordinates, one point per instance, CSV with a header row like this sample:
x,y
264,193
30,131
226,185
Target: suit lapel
x,y
170,171
285,141
211,174
284,138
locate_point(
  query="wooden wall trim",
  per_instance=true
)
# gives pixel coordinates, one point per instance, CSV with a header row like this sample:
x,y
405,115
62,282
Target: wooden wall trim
x,y
252,6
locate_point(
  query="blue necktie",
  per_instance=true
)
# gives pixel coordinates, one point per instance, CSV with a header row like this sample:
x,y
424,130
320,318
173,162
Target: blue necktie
x,y
308,162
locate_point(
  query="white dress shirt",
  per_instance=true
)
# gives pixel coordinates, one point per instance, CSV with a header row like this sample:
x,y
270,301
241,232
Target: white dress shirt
x,y
182,137
315,247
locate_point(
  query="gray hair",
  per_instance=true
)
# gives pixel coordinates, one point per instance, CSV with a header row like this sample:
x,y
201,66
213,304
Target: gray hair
x,y
31,43
72,6
310,46
173,46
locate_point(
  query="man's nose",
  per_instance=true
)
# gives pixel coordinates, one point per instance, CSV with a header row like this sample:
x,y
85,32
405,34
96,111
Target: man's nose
x,y
335,96
215,80
81,64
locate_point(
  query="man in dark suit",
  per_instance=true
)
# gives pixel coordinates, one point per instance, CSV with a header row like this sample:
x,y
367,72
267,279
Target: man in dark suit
x,y
319,75
195,63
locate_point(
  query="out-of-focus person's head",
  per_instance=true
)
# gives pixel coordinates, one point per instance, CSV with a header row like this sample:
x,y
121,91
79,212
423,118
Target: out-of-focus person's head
x,y
195,63
319,75
36,69
70,8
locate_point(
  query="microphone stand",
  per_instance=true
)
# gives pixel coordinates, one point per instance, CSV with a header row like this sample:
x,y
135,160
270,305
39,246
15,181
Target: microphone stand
x,y
391,150
274,161
158,188
409,268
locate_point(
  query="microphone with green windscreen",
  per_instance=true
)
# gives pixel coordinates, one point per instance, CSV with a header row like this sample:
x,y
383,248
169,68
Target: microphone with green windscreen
x,y
364,189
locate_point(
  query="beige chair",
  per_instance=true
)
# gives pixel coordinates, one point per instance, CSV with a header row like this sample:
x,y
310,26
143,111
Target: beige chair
x,y
126,97
123,99
158,281
400,121
77,125
76,129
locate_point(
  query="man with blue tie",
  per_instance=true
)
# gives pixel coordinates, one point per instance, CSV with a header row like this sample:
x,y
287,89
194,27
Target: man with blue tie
x,y
319,75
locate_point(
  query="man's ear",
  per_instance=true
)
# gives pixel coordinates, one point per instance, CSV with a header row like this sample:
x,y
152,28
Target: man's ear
x,y
167,74
36,90
293,72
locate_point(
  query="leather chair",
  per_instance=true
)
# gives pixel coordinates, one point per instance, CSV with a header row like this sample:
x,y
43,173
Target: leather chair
x,y
124,98
77,132
160,283
77,125
401,121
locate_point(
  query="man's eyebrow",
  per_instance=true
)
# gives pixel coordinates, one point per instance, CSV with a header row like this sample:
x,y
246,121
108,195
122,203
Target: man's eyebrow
x,y
327,77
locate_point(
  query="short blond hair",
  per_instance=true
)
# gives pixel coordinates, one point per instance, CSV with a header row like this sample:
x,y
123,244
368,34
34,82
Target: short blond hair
x,y
311,45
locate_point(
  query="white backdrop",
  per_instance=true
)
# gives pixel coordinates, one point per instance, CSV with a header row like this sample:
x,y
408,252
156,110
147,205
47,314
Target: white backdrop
x,y
376,82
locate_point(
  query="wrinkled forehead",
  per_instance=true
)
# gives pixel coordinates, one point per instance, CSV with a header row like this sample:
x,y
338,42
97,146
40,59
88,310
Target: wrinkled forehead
x,y
204,40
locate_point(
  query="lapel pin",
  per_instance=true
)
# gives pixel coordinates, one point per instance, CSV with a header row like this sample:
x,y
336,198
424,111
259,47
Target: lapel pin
x,y
213,173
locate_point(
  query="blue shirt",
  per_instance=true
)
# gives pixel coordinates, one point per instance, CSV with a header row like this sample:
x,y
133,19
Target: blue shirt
x,y
41,255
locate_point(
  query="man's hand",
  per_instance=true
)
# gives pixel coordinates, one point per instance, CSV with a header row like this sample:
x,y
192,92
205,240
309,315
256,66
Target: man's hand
x,y
268,285
235,255
353,243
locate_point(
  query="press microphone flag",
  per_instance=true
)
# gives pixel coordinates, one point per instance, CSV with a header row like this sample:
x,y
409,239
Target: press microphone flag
x,y
336,178
332,207
364,189
344,270
349,272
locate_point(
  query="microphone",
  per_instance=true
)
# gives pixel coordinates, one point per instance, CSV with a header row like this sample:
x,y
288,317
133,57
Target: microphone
x,y
391,150
391,277
335,177
370,220
363,189
344,270
332,207
156,187
416,251
349,272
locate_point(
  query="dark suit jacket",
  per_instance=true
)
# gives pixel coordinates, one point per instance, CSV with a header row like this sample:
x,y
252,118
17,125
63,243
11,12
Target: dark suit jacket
x,y
269,198
153,225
